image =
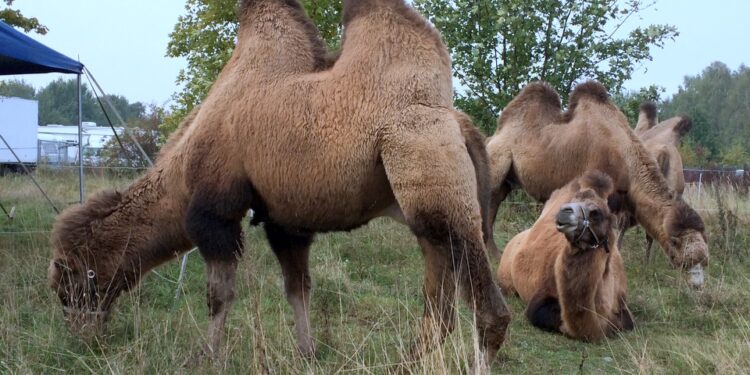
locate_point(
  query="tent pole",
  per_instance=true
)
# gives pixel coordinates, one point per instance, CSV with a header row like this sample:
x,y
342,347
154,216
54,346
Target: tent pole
x,y
81,187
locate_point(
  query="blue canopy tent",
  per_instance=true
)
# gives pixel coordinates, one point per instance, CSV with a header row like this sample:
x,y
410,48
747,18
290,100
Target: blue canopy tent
x,y
19,54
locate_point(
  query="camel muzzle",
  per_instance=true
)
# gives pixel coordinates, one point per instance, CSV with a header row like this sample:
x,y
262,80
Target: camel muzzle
x,y
85,324
567,219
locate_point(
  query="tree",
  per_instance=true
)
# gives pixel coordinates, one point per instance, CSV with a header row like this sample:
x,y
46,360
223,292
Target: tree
x,y
17,88
205,36
718,101
498,46
145,130
13,17
58,104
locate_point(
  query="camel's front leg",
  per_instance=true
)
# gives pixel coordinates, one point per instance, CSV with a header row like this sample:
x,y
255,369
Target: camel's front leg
x,y
213,224
439,293
293,252
221,276
433,180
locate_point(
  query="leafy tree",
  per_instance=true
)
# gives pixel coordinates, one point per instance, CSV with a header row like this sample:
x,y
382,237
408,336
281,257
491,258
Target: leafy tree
x,y
145,130
58,104
498,46
17,88
736,155
205,36
13,17
718,101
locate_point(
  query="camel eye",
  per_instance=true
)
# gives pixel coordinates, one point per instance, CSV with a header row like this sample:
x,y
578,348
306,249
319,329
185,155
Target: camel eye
x,y
596,214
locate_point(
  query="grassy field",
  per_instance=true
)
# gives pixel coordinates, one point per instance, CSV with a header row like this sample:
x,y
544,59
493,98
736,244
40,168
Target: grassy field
x,y
365,307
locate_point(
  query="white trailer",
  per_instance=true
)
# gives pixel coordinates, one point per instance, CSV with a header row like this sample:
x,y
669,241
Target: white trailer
x,y
18,125
58,144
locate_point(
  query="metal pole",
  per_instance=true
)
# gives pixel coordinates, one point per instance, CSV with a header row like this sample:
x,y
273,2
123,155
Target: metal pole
x,y
81,187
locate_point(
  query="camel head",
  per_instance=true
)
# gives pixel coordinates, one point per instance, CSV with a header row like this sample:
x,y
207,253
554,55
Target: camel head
x,y
686,247
82,271
586,220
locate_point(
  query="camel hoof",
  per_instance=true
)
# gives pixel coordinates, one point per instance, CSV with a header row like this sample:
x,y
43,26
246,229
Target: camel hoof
x,y
307,351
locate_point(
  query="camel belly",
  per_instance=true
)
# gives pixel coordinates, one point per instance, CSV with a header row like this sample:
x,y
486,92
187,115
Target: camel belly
x,y
323,196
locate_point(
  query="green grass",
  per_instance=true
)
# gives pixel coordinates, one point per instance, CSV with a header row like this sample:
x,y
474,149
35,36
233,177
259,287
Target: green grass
x,y
365,307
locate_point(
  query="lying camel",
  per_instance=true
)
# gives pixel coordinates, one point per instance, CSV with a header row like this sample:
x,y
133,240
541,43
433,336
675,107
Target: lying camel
x,y
662,141
309,150
540,148
567,267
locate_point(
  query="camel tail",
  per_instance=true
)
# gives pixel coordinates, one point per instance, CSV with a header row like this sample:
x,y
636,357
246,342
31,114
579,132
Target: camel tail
x,y
478,154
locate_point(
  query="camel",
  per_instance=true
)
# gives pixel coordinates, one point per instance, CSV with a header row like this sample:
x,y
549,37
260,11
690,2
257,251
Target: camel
x,y
567,266
662,141
540,148
309,148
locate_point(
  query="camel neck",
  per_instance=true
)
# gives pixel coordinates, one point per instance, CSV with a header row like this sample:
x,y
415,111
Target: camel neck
x,y
146,226
579,273
648,191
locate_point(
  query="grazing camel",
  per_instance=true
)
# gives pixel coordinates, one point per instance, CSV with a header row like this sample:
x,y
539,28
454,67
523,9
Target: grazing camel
x,y
539,148
567,267
662,141
309,150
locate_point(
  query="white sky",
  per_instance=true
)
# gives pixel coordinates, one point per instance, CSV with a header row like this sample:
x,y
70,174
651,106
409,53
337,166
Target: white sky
x,y
123,42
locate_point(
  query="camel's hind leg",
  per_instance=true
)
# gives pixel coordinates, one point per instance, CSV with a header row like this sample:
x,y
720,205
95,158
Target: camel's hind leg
x,y
293,253
434,182
501,162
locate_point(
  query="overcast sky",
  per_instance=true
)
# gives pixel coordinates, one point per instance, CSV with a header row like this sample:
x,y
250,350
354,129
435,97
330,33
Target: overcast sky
x,y
123,42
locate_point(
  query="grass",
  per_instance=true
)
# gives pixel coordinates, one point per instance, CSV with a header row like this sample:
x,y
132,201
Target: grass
x,y
365,307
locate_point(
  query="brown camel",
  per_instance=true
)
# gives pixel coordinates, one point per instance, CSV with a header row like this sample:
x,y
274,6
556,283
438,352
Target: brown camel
x,y
662,141
540,148
309,150
567,267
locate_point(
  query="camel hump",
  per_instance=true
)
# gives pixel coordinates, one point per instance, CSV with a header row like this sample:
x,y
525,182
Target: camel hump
x,y
245,5
649,110
683,126
540,92
591,90
353,9
537,97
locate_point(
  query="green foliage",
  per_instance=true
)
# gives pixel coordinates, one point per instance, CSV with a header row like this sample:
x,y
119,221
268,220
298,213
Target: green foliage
x,y
718,102
58,104
145,129
13,17
735,155
205,36
498,46
630,101
17,88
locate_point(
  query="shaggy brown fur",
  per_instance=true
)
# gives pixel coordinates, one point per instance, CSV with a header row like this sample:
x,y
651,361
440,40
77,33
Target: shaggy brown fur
x,y
540,149
662,141
309,151
571,282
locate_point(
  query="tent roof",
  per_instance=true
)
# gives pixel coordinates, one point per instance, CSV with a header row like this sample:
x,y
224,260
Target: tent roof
x,y
19,54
